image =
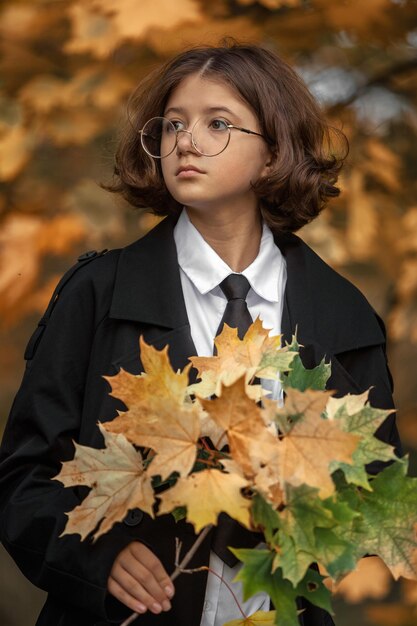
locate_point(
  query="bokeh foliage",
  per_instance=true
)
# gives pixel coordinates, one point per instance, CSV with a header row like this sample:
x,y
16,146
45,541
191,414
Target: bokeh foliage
x,y
66,69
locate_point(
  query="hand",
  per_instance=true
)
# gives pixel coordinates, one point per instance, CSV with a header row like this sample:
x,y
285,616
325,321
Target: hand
x,y
139,580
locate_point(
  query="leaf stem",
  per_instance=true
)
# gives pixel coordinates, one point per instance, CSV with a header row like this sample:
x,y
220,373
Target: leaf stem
x,y
212,453
205,444
210,463
208,569
219,440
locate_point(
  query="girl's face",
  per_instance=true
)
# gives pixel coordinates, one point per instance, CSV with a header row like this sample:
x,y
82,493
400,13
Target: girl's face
x,y
223,182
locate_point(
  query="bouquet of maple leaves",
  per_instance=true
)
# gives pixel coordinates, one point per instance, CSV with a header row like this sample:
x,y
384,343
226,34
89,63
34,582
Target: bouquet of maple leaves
x,y
294,470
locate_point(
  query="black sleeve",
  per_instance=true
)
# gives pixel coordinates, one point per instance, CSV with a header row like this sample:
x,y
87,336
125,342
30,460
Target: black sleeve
x,y
44,419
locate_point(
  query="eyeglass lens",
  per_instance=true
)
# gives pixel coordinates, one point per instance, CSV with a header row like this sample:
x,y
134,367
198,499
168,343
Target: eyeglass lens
x,y
159,137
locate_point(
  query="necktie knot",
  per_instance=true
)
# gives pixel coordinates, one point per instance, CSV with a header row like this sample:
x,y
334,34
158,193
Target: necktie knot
x,y
236,315
235,287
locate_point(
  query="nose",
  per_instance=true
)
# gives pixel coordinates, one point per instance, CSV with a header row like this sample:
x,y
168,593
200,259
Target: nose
x,y
184,141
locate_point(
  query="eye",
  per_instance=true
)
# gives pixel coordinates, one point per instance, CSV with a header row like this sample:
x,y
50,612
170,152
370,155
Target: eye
x,y
218,124
176,124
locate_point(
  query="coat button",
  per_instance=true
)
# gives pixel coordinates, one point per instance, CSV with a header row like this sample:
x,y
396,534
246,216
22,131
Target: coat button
x,y
134,517
87,255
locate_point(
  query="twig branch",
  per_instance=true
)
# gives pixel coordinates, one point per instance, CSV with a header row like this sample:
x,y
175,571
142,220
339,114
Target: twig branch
x,y
179,568
187,558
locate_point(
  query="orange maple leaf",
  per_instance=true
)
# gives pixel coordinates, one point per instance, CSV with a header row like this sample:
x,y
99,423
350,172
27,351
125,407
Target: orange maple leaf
x,y
312,444
251,443
309,403
223,493
118,481
171,431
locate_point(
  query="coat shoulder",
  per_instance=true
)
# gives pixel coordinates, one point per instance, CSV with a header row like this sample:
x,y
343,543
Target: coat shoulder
x,y
92,267
84,290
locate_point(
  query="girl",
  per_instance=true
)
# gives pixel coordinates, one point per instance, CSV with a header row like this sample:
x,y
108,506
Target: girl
x,y
228,143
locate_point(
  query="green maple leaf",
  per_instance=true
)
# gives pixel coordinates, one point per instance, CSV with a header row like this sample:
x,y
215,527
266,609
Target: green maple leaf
x,y
313,530
276,361
389,514
293,560
364,422
256,575
265,516
337,554
301,378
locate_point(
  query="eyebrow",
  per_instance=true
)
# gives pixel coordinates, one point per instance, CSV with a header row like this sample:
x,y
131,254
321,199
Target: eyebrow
x,y
206,110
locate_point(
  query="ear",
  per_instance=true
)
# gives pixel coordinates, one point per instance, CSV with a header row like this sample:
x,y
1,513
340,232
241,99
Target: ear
x,y
268,167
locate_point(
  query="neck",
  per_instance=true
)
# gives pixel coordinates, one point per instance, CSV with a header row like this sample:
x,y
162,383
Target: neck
x,y
235,235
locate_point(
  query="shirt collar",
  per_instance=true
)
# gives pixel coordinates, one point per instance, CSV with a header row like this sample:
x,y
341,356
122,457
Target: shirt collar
x,y
206,269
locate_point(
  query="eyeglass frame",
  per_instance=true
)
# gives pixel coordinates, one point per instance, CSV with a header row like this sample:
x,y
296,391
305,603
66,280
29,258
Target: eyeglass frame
x,y
190,132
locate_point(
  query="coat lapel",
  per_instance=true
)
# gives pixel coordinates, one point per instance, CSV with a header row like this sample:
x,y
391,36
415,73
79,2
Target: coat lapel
x,y
151,266
296,316
148,291
321,307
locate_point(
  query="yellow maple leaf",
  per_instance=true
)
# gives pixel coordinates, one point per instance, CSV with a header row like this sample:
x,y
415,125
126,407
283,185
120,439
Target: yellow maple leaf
x,y
351,403
160,415
158,379
118,481
206,494
265,618
251,443
235,358
312,444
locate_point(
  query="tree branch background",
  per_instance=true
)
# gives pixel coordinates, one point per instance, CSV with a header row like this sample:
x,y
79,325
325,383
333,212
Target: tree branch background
x,y
66,69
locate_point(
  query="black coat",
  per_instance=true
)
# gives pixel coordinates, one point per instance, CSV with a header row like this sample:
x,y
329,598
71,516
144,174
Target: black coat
x,y
91,328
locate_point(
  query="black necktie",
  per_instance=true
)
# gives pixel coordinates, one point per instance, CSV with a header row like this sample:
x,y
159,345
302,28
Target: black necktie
x,y
228,532
235,287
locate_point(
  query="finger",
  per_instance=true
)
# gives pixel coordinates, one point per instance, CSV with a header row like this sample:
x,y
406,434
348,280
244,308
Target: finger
x,y
136,591
154,565
140,574
124,597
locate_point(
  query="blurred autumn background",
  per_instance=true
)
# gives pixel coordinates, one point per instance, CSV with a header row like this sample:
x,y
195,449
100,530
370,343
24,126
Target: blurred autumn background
x,y
67,67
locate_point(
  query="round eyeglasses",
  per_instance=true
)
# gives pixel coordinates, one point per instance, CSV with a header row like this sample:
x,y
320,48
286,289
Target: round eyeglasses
x,y
159,136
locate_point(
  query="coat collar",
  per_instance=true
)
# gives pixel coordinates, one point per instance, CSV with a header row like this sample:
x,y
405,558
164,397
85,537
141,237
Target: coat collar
x,y
320,305
148,284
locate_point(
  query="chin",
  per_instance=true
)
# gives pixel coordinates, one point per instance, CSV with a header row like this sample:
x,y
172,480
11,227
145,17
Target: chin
x,y
191,200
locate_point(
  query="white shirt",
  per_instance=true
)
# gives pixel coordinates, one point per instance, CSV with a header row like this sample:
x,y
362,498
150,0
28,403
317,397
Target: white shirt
x,y
202,270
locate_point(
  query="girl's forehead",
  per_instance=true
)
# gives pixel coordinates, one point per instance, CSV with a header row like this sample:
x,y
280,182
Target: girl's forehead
x,y
197,93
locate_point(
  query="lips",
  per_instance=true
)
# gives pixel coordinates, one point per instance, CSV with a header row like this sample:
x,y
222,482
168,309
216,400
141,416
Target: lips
x,y
188,168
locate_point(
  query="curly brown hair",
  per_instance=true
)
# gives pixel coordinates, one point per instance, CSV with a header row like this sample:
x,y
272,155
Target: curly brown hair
x,y
305,164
